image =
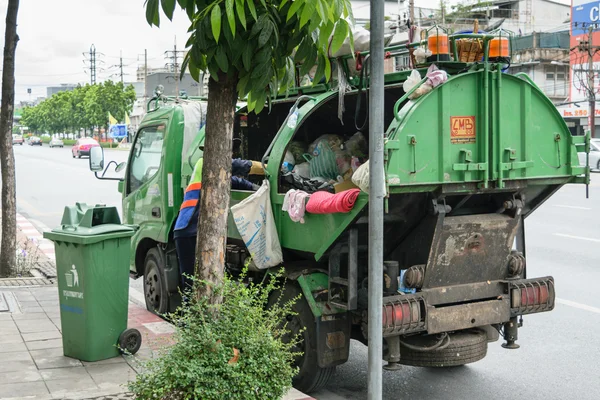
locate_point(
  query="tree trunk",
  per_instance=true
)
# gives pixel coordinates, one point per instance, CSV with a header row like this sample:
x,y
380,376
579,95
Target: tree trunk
x,y
8,246
216,184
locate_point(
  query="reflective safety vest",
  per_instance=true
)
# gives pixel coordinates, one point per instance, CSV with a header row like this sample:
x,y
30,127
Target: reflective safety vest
x,y
190,198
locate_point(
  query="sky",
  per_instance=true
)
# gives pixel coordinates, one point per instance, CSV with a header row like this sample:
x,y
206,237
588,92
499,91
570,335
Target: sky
x,y
54,34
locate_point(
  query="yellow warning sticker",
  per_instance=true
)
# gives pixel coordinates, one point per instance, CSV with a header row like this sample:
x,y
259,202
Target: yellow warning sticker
x,y
462,130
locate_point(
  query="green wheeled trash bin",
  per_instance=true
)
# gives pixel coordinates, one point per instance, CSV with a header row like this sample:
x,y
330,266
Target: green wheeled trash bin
x,y
92,267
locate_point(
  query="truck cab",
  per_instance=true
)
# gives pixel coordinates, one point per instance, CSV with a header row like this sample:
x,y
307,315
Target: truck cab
x,y
465,164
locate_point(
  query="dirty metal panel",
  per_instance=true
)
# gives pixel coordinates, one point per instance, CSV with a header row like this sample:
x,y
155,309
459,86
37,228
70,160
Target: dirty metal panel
x,y
464,316
463,293
333,340
470,248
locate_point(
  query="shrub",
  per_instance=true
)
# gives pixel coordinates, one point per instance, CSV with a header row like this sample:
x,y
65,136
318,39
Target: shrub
x,y
229,351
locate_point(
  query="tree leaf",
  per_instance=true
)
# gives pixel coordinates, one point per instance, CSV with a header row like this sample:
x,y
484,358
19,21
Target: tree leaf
x,y
260,102
168,7
215,21
339,35
241,86
320,70
327,69
247,58
265,34
152,15
241,12
325,32
296,4
221,58
194,72
258,26
307,12
283,3
252,9
230,15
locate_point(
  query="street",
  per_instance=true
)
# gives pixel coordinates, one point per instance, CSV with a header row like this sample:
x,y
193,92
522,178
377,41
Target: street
x,y
559,354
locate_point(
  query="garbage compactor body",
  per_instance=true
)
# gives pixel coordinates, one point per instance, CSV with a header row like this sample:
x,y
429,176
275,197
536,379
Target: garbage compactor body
x,y
465,164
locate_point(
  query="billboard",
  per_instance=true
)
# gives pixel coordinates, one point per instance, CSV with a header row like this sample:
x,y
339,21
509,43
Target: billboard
x,y
584,14
117,131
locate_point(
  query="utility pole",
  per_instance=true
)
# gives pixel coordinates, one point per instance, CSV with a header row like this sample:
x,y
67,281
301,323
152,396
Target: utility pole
x,y
592,90
173,65
376,194
586,46
411,11
121,65
145,77
91,59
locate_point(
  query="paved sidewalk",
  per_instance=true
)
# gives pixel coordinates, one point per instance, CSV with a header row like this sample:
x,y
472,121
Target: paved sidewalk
x,y
32,364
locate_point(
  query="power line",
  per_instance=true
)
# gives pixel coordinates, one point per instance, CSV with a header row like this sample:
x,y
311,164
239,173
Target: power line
x,y
93,61
173,65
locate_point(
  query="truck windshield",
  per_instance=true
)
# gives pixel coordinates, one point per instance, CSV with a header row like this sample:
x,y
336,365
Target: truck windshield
x,y
145,158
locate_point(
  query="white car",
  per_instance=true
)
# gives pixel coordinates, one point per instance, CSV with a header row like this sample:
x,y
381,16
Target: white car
x,y
594,155
56,142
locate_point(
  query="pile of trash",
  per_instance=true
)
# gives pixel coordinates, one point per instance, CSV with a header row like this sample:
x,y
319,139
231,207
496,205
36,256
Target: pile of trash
x,y
326,164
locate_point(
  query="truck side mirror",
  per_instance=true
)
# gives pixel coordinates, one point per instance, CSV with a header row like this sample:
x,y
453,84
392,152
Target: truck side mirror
x,y
120,167
96,159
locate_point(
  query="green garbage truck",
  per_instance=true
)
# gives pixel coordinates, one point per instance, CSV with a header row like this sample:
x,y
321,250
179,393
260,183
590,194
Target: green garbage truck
x,y
466,163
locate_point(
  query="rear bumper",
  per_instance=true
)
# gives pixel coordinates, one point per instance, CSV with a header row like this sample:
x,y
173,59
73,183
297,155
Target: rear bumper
x,y
493,303
84,152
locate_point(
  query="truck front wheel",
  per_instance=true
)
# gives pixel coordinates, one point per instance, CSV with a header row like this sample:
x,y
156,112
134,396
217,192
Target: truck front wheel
x,y
310,376
155,289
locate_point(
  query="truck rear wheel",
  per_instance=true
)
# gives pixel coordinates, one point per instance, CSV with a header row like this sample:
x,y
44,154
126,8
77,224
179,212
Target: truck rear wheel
x,y
155,289
310,376
465,347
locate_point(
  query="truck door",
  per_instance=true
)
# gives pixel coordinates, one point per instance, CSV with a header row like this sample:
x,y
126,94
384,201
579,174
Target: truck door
x,y
142,204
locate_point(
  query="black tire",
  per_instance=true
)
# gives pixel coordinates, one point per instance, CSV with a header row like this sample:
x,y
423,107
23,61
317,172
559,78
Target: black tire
x,y
465,347
155,288
310,376
598,165
130,341
72,155
78,155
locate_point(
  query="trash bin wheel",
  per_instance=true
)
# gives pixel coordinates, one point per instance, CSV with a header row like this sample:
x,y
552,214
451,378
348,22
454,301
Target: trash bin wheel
x,y
130,341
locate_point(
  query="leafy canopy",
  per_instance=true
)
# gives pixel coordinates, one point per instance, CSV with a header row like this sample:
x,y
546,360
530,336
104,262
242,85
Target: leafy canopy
x,y
258,42
84,107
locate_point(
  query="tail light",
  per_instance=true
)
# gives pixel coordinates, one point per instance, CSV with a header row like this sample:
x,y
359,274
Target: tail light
x,y
532,295
403,314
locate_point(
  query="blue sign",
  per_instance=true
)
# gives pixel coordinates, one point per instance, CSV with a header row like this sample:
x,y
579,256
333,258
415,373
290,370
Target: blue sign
x,y
118,131
585,15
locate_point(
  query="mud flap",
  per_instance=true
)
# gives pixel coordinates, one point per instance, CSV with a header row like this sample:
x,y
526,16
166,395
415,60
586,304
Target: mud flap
x,y
333,339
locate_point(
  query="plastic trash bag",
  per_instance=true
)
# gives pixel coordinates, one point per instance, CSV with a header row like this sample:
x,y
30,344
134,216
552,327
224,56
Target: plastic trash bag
x,y
302,169
421,55
357,146
436,76
254,220
362,39
361,177
322,162
413,80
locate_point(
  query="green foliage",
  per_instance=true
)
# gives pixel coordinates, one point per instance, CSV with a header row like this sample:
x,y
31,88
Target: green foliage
x,y
82,108
233,350
254,41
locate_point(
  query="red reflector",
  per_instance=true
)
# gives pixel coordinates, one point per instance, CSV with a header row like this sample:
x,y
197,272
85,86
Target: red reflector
x,y
534,295
396,314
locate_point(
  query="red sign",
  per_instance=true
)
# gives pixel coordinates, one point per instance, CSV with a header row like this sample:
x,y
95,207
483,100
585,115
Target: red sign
x,y
462,130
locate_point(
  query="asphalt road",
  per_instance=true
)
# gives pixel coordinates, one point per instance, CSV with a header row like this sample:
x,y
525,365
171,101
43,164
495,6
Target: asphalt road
x,y
559,356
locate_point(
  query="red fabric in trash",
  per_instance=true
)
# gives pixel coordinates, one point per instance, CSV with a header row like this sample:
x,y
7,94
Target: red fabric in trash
x,y
328,203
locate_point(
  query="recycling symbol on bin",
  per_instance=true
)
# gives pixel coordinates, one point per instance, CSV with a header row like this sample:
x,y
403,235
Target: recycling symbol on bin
x,y
72,277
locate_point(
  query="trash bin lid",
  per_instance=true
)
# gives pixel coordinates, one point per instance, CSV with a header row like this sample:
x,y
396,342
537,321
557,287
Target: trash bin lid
x,y
85,235
83,224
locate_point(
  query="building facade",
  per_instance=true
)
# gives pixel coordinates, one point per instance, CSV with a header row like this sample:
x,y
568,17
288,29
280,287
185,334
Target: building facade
x,y
52,90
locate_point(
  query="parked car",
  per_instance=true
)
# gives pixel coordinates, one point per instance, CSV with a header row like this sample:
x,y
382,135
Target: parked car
x,y
594,155
35,141
82,147
18,139
56,142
